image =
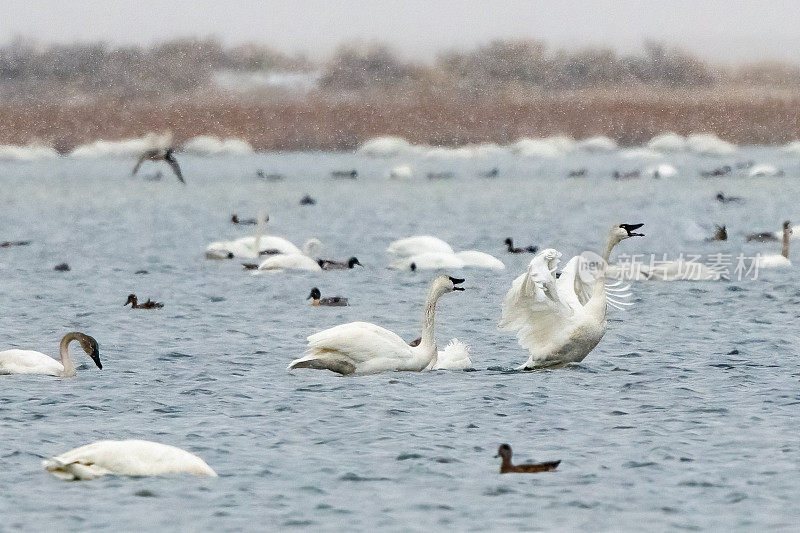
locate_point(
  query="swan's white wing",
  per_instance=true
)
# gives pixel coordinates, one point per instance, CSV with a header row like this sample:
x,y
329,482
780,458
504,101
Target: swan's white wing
x,y
269,242
290,262
360,342
28,362
127,457
418,245
474,258
532,308
572,290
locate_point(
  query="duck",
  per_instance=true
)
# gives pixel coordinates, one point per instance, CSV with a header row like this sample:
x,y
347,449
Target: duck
x,y
720,234
243,222
493,173
345,174
512,250
446,175
782,260
507,467
364,348
8,244
560,320
630,175
578,173
160,154
307,200
260,174
327,264
125,458
62,267
724,199
455,356
253,246
331,301
31,362
146,305
717,172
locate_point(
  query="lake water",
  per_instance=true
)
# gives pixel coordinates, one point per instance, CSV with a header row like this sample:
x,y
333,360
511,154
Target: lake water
x,y
660,427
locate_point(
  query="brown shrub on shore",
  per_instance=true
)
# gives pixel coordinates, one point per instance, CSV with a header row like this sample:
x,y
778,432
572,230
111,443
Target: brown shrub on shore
x,y
741,115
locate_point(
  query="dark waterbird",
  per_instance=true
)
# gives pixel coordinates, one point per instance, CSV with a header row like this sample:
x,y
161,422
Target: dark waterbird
x,y
512,250
717,172
331,301
161,154
345,174
8,244
146,305
307,200
243,221
61,267
722,198
507,467
327,264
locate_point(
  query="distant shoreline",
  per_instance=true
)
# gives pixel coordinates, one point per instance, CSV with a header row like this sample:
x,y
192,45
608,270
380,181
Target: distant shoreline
x,y
745,116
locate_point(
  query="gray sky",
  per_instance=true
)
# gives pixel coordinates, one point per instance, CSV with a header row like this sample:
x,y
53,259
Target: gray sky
x,y
731,30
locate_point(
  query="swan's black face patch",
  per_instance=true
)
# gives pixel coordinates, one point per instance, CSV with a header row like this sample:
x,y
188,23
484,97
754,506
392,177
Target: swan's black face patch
x,y
630,227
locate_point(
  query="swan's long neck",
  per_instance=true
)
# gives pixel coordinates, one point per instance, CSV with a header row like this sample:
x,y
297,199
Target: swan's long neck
x,y
260,230
612,242
596,306
428,342
63,350
785,247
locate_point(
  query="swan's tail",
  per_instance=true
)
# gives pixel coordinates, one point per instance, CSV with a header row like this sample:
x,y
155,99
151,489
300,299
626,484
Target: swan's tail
x,y
455,356
327,360
73,471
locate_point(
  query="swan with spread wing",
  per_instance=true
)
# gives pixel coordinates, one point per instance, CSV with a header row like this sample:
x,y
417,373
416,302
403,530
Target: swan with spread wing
x,y
560,320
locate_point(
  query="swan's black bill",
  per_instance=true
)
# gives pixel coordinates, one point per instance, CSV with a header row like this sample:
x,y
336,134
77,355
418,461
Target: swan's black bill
x,y
95,355
630,227
455,282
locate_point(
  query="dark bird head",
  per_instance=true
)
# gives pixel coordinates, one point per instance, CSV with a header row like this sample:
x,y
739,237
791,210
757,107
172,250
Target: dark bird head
x,y
89,345
508,242
235,219
720,197
504,451
131,300
315,294
168,154
353,261
413,267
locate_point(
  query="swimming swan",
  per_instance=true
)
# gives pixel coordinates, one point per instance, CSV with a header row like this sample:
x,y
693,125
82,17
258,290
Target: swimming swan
x,y
364,348
442,260
295,261
127,458
253,246
30,362
559,320
419,244
782,260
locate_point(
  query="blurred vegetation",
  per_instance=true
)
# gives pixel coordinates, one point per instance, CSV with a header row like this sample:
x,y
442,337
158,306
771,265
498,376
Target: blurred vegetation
x,y
31,70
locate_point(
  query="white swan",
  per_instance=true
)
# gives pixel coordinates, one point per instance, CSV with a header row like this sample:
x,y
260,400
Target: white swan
x,y
442,260
764,171
127,458
782,260
364,348
252,246
455,356
419,244
559,321
307,260
30,362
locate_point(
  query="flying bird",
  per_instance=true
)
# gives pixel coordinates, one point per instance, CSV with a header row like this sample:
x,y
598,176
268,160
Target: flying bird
x,y
160,154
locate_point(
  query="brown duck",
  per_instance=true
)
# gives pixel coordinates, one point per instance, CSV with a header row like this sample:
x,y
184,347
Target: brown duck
x,y
507,467
146,305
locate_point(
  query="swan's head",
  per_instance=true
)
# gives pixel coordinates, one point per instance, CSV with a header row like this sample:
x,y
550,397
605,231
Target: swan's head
x,y
550,256
625,231
504,451
353,261
89,345
131,300
787,226
445,284
315,294
312,247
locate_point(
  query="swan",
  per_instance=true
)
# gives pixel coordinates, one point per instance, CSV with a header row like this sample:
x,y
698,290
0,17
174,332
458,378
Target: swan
x,y
419,244
441,260
559,320
663,170
364,348
764,171
299,261
782,260
127,458
252,246
30,362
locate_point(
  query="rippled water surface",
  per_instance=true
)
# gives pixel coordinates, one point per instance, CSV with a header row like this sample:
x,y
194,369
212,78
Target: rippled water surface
x,y
685,416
